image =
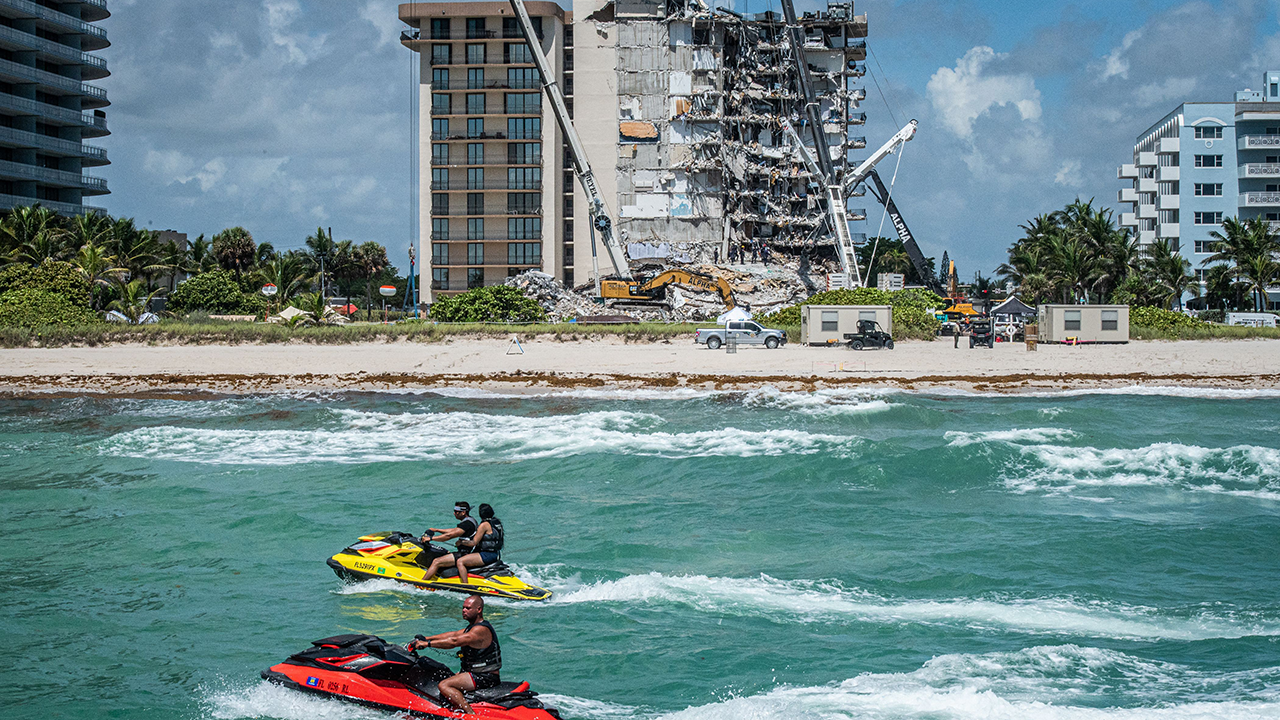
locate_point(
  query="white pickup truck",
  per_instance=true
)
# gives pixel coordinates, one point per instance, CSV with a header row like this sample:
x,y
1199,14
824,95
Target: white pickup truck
x,y
743,332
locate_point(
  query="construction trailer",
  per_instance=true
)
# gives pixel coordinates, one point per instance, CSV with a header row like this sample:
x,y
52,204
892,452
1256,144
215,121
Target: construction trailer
x,y
1083,324
827,324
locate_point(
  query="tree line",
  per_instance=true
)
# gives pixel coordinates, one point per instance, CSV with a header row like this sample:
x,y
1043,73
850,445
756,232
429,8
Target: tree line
x,y
125,266
1079,255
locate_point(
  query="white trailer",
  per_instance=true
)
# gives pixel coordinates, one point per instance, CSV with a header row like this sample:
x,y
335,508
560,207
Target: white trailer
x,y
1083,324
827,324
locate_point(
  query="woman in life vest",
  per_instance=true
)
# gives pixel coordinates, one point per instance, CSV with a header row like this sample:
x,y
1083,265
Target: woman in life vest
x,y
487,542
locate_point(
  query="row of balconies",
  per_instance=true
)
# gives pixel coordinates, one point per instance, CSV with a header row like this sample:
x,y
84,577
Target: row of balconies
x,y
93,37
67,209
94,67
91,156
60,178
458,187
1258,142
489,211
92,125
95,97
488,85
518,162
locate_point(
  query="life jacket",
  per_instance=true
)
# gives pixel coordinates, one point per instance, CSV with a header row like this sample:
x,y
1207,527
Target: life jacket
x,y
487,660
493,540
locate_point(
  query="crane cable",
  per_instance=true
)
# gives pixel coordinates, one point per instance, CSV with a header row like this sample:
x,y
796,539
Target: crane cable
x,y
902,148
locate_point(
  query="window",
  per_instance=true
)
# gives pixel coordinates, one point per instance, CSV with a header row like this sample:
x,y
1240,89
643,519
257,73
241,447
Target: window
x,y
475,203
1110,320
511,28
441,104
523,103
568,232
441,54
516,53
524,253
440,229
1209,189
439,128
524,228
1208,161
475,53
439,253
1209,132
475,78
475,28
568,277
439,178
1071,320
568,255
522,78
1208,218
475,230
475,103
567,210
524,128
439,278
830,321
475,153
475,278
440,78
866,315
440,154
524,203
1201,275
475,127
439,203
529,178
475,252
524,153
475,178
1206,246
440,29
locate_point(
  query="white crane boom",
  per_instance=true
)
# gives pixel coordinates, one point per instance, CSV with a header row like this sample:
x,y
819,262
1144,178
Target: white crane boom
x,y
860,173
601,220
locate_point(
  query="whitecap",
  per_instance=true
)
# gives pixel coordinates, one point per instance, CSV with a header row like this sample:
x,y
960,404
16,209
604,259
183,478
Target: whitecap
x,y
267,700
1024,435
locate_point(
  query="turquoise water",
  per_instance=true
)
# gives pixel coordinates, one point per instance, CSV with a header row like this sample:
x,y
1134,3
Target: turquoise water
x,y
714,555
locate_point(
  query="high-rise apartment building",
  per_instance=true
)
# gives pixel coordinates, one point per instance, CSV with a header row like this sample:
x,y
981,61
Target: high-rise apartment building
x,y
47,106
679,107
1202,163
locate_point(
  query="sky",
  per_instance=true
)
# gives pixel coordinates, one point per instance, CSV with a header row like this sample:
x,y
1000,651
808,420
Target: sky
x,y
287,115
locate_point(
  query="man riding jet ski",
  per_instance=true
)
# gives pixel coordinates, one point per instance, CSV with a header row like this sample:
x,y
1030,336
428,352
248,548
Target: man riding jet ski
x,y
402,556
366,670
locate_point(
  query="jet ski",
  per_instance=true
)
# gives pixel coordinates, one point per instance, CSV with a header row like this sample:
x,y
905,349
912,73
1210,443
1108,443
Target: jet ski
x,y
402,556
366,670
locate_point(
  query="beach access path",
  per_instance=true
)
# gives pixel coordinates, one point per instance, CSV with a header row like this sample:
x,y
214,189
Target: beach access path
x,y
548,362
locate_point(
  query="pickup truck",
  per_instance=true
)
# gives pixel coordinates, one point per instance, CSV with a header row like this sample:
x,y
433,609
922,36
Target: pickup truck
x,y
743,332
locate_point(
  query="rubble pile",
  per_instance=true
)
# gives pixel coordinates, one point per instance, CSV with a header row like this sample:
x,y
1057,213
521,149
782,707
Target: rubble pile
x,y
560,302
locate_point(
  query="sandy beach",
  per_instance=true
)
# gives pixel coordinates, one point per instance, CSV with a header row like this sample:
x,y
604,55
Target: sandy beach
x,y
547,362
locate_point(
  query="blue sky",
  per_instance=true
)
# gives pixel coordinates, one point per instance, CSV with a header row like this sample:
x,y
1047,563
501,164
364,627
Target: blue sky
x,y
285,115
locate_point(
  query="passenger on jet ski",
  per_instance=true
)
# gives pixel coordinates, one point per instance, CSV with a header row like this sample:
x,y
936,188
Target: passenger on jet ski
x,y
465,532
480,653
488,543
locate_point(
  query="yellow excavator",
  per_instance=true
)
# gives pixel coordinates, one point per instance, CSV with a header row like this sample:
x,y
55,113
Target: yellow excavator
x,y
654,289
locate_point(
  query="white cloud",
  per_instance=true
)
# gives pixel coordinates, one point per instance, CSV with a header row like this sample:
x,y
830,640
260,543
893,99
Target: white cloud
x,y
1172,90
1114,64
387,22
300,47
962,95
1069,174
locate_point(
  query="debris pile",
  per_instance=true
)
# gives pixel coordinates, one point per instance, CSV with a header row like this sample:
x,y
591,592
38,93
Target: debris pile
x,y
560,302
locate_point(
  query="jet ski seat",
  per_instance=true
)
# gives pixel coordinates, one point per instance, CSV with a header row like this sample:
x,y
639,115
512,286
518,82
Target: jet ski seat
x,y
484,571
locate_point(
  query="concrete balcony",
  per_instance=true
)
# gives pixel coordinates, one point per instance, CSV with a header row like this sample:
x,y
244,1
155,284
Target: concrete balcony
x,y
1146,212
19,171
1258,142
1127,195
1170,230
91,156
92,36
68,209
1147,185
1146,237
1169,202
1169,174
1259,199
1129,220
95,97
1146,159
1260,170
91,125
1127,171
94,67
1168,146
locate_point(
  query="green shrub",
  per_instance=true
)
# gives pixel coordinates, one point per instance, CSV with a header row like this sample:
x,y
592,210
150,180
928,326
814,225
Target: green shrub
x,y
496,303
57,278
1161,319
215,292
33,309
909,317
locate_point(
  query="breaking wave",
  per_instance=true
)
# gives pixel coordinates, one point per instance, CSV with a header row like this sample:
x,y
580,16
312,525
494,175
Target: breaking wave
x,y
807,601
961,439
367,437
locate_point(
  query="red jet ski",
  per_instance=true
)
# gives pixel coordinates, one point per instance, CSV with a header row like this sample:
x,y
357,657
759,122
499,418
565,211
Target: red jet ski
x,y
366,670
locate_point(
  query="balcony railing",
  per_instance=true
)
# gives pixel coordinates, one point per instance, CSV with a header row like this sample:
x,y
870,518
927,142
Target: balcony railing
x,y
519,161
482,136
24,106
486,239
56,18
52,48
1260,170
494,85
485,211
490,263
97,186
68,209
1260,199
443,62
503,186
26,72
23,138
407,35
1258,142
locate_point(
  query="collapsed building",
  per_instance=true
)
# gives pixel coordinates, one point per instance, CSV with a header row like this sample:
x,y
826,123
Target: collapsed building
x,y
680,107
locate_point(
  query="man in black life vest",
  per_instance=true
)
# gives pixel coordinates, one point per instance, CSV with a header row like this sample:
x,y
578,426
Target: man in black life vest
x,y
464,532
481,656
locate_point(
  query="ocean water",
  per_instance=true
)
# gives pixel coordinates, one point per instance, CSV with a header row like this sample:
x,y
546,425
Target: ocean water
x,y
714,555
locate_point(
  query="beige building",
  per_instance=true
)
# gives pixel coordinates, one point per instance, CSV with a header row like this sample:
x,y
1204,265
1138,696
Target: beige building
x,y
678,107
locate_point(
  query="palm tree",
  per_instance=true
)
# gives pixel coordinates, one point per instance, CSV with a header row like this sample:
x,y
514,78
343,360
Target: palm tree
x,y
1073,265
32,234
288,272
1223,288
322,250
99,268
200,257
371,258
316,305
235,250
895,261
1252,248
90,227
136,249
1169,270
266,253
134,300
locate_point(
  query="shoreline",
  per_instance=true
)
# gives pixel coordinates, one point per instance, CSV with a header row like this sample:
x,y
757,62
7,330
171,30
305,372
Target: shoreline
x,y
551,365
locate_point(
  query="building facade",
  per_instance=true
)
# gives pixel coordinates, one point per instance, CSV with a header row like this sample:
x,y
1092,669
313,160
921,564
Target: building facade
x,y
1203,163
678,106
47,106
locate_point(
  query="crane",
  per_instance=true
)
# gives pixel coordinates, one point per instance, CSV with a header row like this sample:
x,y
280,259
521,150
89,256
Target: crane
x,y
601,220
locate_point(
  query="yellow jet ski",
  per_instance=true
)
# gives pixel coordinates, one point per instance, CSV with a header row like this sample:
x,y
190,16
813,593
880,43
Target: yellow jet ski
x,y
402,557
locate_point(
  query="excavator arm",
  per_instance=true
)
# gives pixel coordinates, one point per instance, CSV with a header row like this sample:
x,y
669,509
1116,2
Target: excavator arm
x,y
655,288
